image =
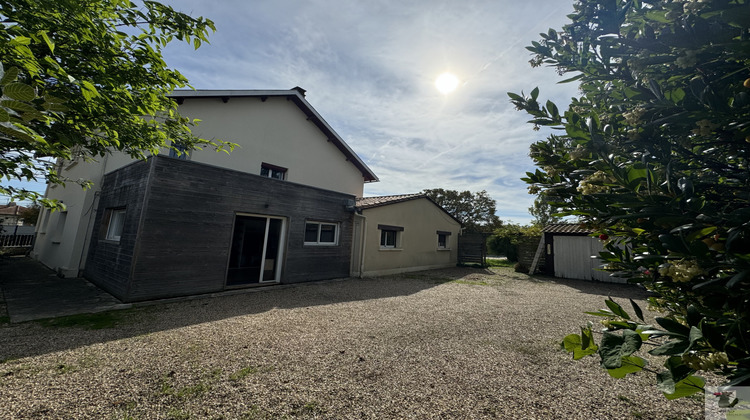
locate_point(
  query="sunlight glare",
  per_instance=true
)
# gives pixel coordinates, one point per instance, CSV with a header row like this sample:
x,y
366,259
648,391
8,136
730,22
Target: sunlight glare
x,y
446,83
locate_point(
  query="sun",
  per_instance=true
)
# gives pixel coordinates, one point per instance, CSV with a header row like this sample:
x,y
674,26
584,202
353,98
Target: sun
x,y
446,83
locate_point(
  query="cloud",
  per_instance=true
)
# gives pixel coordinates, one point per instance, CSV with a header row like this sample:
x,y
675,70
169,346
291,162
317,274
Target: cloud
x,y
369,69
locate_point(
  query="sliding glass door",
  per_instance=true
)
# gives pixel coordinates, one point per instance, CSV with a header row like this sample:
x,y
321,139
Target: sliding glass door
x,y
257,250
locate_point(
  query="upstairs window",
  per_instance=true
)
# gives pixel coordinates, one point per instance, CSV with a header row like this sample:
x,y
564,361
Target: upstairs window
x,y
272,171
321,233
178,151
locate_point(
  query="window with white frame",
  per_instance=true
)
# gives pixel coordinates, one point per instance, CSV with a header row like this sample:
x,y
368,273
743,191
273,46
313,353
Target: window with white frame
x,y
321,233
443,239
390,236
115,221
272,171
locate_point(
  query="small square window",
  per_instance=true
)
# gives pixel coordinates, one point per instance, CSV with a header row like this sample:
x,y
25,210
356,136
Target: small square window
x,y
319,233
443,239
388,238
272,171
115,223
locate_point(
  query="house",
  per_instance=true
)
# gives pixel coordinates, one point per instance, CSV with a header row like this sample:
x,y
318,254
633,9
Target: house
x,y
403,233
10,214
281,208
570,252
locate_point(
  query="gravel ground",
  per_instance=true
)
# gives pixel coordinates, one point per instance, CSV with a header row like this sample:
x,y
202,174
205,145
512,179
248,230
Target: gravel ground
x,y
456,343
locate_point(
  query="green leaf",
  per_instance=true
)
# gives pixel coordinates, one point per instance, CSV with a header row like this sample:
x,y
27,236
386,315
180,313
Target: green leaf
x,y
686,387
636,309
10,76
614,347
17,105
573,343
50,44
19,91
535,93
630,364
616,308
671,348
4,116
673,326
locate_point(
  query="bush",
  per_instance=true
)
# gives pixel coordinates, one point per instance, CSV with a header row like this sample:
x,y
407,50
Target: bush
x,y
655,154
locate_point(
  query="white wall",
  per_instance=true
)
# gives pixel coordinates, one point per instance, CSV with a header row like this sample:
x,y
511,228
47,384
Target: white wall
x,y
277,132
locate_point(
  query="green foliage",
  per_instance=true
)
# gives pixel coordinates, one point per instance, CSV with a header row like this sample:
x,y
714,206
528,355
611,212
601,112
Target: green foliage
x,y
30,215
505,239
655,155
544,211
85,77
97,321
475,210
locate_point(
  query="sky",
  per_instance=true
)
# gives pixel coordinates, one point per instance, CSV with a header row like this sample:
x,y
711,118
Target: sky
x,y
369,69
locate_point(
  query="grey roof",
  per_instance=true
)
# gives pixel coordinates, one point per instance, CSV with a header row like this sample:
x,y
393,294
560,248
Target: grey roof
x,y
566,228
296,95
369,202
364,203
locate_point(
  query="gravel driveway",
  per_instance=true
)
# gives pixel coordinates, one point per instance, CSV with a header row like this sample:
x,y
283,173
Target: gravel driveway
x,y
457,343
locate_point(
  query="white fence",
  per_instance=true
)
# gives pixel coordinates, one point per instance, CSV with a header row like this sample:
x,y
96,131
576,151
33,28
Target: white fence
x,y
16,241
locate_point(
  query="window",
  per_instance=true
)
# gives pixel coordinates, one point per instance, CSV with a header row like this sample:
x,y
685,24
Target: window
x,y
390,236
272,171
178,151
443,238
320,233
115,220
59,227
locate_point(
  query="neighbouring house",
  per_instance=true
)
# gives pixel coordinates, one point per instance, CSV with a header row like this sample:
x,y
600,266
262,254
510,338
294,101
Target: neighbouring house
x,y
10,214
403,233
12,220
281,208
570,252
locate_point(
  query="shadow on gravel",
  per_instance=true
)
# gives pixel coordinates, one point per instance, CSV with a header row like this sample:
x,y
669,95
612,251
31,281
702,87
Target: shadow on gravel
x,y
614,290
69,327
82,329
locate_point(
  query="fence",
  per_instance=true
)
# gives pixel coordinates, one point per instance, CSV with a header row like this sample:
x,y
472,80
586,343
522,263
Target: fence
x,y
16,241
472,248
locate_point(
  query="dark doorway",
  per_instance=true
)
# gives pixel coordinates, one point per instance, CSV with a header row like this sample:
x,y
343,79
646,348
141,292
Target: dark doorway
x,y
257,244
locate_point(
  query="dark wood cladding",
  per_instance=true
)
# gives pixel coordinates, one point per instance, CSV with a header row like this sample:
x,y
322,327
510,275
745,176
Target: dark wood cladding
x,y
109,263
186,226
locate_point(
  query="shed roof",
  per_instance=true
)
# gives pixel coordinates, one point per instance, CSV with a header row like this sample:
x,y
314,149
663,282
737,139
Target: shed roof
x,y
566,228
296,95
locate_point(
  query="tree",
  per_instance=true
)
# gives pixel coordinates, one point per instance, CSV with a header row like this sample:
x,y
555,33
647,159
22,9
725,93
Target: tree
x,y
543,211
505,239
82,78
30,215
475,210
654,155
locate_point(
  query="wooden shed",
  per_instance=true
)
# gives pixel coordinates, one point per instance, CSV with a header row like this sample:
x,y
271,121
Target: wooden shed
x,y
570,252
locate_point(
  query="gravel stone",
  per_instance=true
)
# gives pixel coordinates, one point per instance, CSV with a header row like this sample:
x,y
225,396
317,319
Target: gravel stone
x,y
454,343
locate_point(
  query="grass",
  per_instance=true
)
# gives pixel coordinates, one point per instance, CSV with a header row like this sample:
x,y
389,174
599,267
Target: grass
x,y
240,374
97,321
497,262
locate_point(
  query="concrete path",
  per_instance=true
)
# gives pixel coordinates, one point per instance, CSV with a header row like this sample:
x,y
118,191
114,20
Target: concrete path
x,y
32,291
